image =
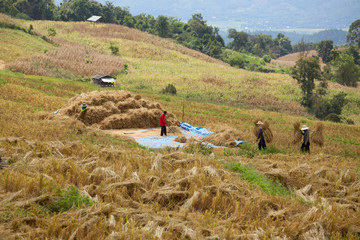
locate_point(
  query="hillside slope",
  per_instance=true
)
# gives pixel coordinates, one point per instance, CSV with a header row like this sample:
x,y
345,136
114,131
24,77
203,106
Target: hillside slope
x,y
62,179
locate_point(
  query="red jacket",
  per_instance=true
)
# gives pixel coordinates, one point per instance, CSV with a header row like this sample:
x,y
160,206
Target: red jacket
x,y
162,120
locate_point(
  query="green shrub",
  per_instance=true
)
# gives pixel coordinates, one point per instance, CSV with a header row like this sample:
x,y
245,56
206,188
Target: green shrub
x,y
170,89
350,121
236,60
333,118
114,49
51,32
267,58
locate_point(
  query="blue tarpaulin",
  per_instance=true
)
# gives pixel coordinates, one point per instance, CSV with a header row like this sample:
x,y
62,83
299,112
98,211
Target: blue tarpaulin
x,y
169,141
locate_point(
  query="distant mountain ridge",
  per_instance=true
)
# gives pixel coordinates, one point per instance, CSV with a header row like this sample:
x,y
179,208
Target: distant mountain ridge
x,y
255,14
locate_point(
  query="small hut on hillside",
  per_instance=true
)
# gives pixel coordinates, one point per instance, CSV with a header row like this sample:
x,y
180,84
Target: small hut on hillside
x,y
104,80
94,18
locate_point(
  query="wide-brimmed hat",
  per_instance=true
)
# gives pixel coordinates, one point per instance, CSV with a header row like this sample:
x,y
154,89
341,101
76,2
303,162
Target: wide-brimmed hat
x,y
84,105
304,127
259,123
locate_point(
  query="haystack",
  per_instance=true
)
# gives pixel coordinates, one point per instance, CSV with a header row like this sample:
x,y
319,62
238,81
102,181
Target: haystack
x,y
297,136
224,136
317,136
268,135
117,110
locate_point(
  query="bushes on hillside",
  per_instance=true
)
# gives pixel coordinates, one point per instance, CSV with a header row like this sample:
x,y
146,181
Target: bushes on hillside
x,y
170,89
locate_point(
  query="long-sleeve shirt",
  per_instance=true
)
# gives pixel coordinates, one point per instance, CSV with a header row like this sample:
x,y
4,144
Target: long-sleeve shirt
x,y
306,136
260,135
162,120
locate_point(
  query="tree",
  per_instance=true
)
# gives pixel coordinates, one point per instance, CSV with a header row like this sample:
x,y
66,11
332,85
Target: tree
x,y
305,71
354,52
162,26
324,50
240,39
346,71
283,43
353,36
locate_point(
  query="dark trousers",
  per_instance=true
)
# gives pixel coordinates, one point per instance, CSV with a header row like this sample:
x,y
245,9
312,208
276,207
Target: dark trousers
x,y
305,147
163,130
262,144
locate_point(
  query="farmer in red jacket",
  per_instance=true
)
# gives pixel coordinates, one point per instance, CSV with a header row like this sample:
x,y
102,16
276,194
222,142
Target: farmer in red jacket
x,y
163,123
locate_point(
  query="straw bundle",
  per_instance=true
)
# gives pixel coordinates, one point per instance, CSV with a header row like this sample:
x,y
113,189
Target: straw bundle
x,y
317,136
224,136
256,127
297,136
268,134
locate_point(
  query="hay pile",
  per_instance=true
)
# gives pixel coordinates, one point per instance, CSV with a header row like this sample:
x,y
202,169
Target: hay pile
x,y
268,135
317,136
181,139
224,136
297,136
117,110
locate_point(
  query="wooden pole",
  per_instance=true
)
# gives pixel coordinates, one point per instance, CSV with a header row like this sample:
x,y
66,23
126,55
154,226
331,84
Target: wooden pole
x,y
183,112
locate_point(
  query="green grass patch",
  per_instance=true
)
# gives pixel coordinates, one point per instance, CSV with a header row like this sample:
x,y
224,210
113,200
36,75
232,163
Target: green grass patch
x,y
71,197
2,81
344,141
249,151
253,176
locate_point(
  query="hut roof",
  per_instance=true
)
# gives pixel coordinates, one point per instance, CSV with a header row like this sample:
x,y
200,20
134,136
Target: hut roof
x,y
94,18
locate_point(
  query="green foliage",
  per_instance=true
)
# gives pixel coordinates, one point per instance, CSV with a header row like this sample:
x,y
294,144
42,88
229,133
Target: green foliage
x,y
324,50
305,71
353,36
114,49
51,32
346,71
331,109
267,58
162,26
200,147
126,69
71,197
333,118
88,60
170,89
30,29
253,176
236,60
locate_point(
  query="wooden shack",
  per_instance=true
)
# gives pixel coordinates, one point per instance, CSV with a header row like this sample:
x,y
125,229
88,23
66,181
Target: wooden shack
x,y
104,80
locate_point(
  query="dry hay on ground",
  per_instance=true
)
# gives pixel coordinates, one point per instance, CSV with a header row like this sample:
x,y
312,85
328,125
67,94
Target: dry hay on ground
x,y
181,139
317,136
117,110
297,136
224,136
268,135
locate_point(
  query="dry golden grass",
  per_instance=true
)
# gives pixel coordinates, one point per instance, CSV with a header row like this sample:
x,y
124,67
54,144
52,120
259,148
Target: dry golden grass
x,y
147,194
69,60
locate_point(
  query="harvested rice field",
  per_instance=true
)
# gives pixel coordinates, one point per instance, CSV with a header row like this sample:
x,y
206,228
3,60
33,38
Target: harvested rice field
x,y
62,177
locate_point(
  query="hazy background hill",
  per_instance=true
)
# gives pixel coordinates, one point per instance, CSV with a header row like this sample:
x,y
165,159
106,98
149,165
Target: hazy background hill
x,y
254,14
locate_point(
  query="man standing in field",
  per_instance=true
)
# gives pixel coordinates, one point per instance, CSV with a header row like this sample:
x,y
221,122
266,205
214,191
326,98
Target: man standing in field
x,y
163,123
261,136
305,146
